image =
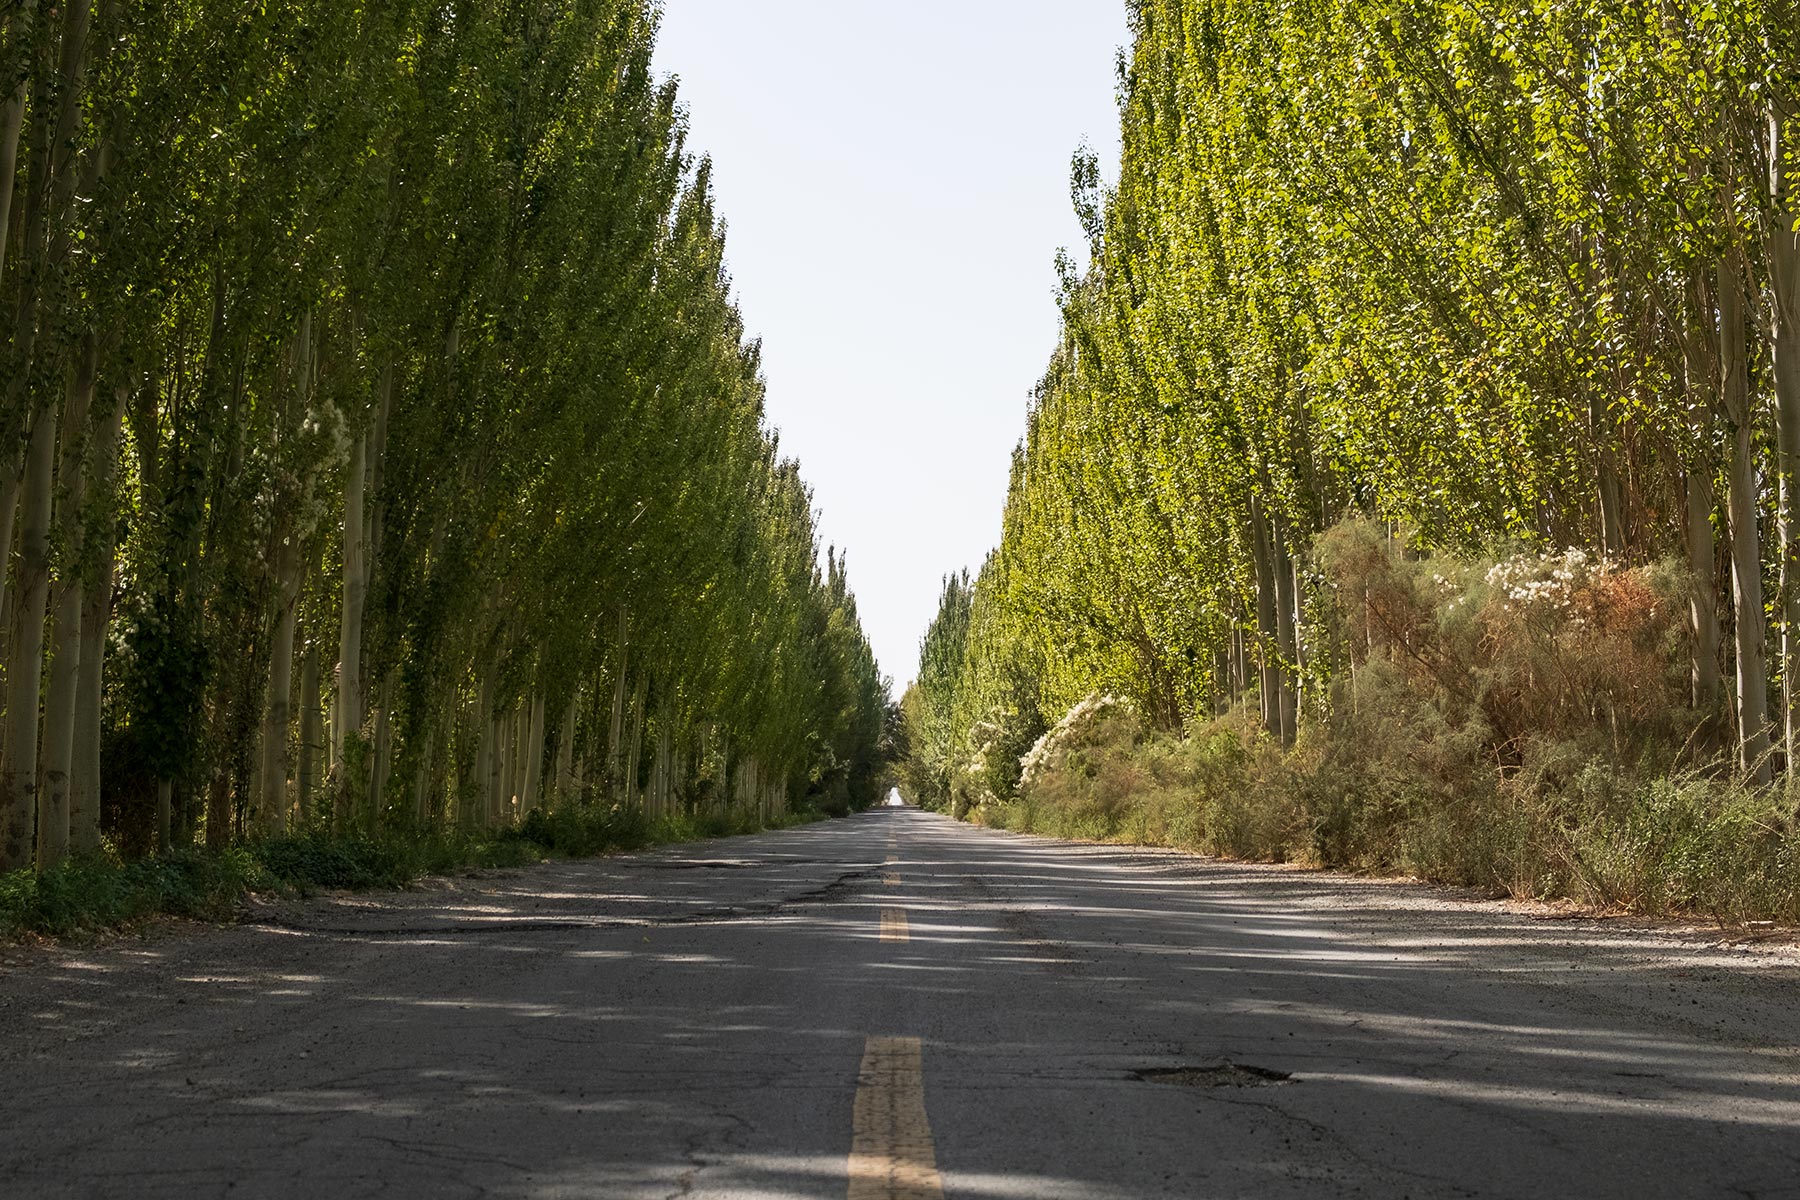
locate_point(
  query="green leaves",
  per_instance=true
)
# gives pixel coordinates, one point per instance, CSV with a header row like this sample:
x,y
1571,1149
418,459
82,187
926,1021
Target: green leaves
x,y
1445,262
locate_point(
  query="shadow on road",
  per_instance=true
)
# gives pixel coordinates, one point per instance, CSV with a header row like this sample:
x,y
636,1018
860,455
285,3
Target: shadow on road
x,y
1097,1022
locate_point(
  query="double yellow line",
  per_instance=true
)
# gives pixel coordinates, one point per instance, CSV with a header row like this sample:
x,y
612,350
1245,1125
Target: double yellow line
x,y
892,1156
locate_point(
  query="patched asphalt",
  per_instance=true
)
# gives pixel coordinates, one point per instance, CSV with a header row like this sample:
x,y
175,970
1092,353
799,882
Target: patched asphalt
x,y
1092,1021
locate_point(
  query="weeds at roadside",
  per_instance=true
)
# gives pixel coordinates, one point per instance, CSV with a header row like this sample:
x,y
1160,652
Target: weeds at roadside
x,y
100,893
1520,726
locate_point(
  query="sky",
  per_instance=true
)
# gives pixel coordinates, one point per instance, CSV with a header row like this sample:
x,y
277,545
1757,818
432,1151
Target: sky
x,y
895,178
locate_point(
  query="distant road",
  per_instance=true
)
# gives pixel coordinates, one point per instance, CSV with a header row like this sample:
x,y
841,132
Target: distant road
x,y
899,1006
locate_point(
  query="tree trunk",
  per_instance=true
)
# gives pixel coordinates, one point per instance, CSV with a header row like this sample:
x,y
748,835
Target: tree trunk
x,y
1268,635
165,815
1783,256
421,800
349,717
659,762
218,811
565,752
12,119
518,730
1703,610
481,795
10,487
1285,633
272,795
1609,492
533,757
312,739
96,615
383,759
615,730
723,802
1240,660
500,799
1751,636
65,667
24,678
636,746
587,751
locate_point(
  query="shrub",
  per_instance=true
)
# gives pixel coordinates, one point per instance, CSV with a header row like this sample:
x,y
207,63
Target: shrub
x,y
1518,725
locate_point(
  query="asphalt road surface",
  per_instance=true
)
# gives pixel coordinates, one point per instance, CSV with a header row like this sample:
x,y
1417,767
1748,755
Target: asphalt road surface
x,y
897,1006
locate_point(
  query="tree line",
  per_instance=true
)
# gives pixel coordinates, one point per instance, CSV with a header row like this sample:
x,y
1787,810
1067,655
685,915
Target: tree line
x,y
1488,271
383,449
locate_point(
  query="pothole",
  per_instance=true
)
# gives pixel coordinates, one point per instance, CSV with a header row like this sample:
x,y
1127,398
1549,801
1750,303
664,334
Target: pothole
x,y
1225,1074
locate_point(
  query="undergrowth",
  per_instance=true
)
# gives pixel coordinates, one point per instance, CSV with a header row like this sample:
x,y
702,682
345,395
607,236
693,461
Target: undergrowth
x,y
102,893
1520,726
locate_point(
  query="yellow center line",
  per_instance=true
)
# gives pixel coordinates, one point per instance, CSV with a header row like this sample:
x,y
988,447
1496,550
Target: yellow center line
x,y
893,925
891,1152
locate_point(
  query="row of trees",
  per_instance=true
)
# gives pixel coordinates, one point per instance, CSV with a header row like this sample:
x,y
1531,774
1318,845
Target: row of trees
x,y
381,443
1490,270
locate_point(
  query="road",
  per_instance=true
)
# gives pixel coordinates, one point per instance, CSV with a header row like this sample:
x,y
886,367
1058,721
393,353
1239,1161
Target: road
x,y
898,1006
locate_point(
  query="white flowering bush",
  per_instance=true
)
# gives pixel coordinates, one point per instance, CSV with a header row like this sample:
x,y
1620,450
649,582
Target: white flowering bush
x,y
1549,583
1097,719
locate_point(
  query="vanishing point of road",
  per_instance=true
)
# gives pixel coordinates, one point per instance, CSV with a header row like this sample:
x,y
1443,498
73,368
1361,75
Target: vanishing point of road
x,y
895,1005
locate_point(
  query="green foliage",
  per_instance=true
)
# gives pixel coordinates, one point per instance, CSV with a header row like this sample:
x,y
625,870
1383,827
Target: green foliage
x,y
96,894
418,322
1499,275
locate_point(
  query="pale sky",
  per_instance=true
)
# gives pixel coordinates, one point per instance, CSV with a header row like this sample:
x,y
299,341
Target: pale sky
x,y
896,182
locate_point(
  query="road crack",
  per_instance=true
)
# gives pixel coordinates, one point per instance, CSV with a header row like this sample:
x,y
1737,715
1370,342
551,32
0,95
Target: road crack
x,y
827,893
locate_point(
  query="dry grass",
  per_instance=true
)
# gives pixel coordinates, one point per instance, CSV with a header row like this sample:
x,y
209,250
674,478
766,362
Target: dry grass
x,y
1517,726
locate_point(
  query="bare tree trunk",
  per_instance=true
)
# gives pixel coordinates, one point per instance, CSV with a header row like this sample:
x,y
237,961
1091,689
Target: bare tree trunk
x,y
46,241
96,614
346,720
663,760
421,800
501,800
1285,634
349,716
1240,661
312,739
481,795
1783,255
565,752
588,750
723,779
1610,492
24,678
521,734
272,797
1703,611
534,757
165,815
12,119
10,487
496,781
636,745
381,760
615,730
65,667
1751,635
1268,635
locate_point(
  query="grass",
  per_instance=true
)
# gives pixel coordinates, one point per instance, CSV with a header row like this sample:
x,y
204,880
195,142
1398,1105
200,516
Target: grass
x,y
101,893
